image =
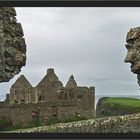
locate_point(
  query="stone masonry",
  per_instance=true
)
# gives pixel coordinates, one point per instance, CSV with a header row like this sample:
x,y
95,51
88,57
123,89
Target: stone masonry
x,y
12,44
49,99
20,91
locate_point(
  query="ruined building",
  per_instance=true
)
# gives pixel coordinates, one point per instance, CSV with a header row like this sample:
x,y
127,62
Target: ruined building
x,y
20,91
49,99
12,44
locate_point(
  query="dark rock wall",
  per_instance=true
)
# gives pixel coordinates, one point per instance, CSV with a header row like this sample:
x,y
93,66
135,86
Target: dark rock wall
x,y
12,44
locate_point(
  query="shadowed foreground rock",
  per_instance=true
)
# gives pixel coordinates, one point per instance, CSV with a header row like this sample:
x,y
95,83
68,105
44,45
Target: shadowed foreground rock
x,y
133,54
12,44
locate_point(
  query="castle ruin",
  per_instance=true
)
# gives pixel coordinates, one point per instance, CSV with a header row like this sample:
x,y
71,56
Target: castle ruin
x,y
48,99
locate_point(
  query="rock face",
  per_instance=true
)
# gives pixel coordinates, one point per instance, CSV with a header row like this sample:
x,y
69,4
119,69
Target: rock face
x,y
12,44
133,54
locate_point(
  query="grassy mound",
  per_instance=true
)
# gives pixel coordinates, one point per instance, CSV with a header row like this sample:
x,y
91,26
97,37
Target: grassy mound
x,y
128,102
108,106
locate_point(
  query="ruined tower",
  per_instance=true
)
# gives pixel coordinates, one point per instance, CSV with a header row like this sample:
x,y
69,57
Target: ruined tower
x,y
71,88
48,87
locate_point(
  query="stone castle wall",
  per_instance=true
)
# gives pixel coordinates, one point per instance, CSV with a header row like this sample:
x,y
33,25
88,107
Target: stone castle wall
x,y
22,114
19,114
87,102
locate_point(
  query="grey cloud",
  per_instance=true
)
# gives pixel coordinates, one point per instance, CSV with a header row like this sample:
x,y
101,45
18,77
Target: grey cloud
x,y
86,42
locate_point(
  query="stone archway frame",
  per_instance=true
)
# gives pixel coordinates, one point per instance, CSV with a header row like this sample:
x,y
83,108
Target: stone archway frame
x,y
12,44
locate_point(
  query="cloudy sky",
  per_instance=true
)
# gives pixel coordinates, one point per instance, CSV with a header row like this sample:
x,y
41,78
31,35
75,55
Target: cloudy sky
x,y
86,42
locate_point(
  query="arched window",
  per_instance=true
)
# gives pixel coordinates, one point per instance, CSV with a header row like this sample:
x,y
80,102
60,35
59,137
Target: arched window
x,y
28,97
61,94
71,94
40,98
15,91
54,111
65,96
79,96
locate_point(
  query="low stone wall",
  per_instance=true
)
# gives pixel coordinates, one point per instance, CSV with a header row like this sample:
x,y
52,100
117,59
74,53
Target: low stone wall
x,y
117,124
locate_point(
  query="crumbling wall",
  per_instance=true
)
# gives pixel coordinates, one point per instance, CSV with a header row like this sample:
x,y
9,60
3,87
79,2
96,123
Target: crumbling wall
x,y
86,98
19,114
12,44
48,87
22,114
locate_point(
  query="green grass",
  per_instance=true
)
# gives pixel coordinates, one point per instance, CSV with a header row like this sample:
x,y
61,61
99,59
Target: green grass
x,y
51,121
133,102
34,123
11,128
4,127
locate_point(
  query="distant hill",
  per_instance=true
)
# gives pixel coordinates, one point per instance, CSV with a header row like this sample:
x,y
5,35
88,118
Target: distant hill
x,y
108,106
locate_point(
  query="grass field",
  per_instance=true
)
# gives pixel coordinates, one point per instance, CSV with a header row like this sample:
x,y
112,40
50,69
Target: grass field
x,y
133,102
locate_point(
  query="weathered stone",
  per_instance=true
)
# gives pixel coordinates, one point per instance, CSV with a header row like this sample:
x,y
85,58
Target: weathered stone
x,y
9,10
49,86
133,54
21,91
12,44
